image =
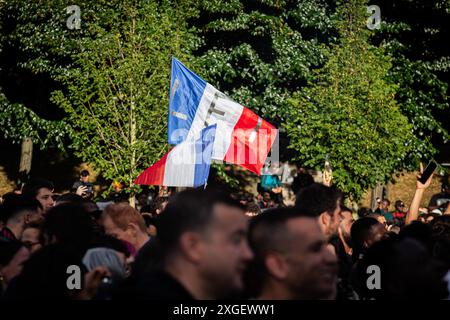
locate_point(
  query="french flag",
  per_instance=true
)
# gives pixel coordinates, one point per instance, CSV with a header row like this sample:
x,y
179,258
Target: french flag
x,y
242,137
185,165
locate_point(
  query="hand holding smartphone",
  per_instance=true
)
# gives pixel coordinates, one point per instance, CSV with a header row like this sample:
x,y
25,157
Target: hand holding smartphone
x,y
426,174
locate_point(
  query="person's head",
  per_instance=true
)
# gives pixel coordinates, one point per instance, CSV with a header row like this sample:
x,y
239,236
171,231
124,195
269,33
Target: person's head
x,y
364,233
292,260
407,272
45,275
69,224
267,196
440,237
202,234
324,203
19,210
346,225
400,206
150,224
122,221
423,217
380,218
159,204
385,203
364,212
418,231
143,198
68,198
445,187
42,190
302,180
252,209
84,176
33,237
105,257
12,256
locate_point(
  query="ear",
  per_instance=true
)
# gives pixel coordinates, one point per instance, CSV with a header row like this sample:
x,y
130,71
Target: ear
x,y
324,219
190,246
277,266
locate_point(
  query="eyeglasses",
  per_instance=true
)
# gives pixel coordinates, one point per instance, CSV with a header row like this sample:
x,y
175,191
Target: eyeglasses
x,y
29,245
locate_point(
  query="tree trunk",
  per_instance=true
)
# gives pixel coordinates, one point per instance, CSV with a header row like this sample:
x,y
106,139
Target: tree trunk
x,y
377,192
26,156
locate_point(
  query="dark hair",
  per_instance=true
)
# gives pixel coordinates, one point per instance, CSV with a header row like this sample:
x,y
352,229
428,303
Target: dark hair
x,y
157,204
84,173
359,233
17,204
69,224
190,210
346,209
31,188
419,231
44,275
267,232
387,200
106,241
149,220
364,212
301,181
70,198
253,208
408,272
39,225
440,238
317,198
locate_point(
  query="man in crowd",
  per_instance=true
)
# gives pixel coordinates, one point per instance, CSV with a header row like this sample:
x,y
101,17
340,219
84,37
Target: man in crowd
x,y
122,221
291,256
384,210
41,190
399,214
324,203
202,239
16,212
83,187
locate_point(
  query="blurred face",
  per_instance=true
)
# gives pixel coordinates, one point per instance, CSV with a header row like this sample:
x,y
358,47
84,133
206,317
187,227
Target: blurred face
x,y
312,268
14,268
346,225
334,221
84,179
225,251
34,216
266,197
151,230
44,196
113,230
30,239
385,205
163,206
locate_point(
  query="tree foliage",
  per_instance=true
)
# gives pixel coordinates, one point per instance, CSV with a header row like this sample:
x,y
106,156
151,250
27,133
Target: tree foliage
x,y
414,33
117,92
349,112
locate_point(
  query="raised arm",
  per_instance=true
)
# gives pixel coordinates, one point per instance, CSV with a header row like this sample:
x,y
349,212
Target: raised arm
x,y
413,212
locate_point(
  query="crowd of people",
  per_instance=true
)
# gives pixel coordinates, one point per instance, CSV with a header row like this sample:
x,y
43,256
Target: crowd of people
x,y
207,244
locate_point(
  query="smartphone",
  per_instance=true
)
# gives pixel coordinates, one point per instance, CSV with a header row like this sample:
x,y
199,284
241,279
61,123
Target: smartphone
x,y
428,171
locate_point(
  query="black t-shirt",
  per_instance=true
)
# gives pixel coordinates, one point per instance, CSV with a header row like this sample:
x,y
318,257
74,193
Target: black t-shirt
x,y
157,285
